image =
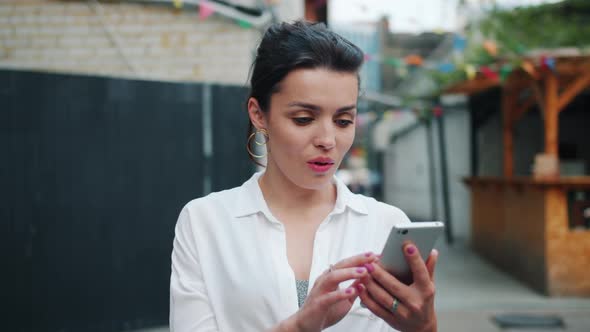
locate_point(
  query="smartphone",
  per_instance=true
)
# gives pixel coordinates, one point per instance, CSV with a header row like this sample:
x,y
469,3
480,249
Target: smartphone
x,y
422,234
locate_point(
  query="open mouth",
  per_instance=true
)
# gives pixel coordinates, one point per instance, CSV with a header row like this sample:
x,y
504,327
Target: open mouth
x,y
321,166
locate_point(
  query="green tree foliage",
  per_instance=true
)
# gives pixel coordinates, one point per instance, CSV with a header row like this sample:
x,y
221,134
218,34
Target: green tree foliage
x,y
518,30
562,24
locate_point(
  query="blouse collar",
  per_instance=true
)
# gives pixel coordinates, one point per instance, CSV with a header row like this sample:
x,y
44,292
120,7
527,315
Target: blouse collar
x,y
251,201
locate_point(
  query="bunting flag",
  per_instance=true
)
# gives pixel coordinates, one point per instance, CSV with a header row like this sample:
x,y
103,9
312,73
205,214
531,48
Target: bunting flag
x,y
488,73
446,67
490,47
437,111
550,63
470,71
520,49
243,24
547,63
459,43
543,62
393,62
529,68
205,10
177,4
414,60
505,70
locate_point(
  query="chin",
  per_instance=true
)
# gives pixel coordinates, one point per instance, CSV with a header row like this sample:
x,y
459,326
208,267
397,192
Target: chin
x,y
318,181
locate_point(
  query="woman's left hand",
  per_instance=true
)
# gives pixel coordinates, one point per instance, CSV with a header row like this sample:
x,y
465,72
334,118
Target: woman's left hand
x,y
414,310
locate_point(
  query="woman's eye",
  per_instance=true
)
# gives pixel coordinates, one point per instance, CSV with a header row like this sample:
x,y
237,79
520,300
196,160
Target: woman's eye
x,y
344,123
302,121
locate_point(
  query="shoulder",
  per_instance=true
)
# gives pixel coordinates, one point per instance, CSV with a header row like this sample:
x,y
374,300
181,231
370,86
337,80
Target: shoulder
x,y
209,210
216,202
385,213
375,220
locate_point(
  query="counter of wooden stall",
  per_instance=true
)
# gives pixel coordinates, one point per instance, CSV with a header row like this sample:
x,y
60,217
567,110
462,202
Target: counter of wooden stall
x,y
522,225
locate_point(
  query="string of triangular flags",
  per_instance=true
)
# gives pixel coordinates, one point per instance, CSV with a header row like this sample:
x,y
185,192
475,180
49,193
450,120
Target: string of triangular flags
x,y
206,9
425,114
405,64
492,71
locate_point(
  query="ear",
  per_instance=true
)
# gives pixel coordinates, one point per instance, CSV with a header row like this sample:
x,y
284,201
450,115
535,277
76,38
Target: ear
x,y
256,115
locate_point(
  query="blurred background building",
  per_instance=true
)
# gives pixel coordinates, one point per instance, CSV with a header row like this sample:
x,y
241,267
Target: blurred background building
x,y
154,40
115,113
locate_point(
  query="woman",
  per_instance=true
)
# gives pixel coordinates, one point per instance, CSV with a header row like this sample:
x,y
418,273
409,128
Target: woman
x,y
243,257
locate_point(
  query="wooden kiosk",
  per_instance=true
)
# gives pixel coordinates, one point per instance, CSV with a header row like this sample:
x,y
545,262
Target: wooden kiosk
x,y
520,223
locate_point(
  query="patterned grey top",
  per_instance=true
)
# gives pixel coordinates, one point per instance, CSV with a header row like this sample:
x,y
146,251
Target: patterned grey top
x,y
301,290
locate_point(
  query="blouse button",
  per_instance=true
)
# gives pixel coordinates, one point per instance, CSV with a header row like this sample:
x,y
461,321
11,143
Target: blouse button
x,y
372,316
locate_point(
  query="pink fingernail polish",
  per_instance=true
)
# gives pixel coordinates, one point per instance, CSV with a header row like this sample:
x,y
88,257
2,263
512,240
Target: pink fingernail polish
x,y
411,250
360,287
361,270
349,290
369,267
369,254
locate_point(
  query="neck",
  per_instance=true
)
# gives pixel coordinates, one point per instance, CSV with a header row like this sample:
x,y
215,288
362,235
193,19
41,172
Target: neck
x,y
281,193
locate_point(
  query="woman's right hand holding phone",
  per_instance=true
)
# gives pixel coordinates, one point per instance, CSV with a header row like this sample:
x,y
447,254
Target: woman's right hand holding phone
x,y
404,307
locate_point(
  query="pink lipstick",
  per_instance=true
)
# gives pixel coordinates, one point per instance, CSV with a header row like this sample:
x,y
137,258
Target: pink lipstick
x,y
320,164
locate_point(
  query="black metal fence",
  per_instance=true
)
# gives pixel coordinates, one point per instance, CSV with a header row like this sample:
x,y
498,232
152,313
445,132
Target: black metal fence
x,y
93,174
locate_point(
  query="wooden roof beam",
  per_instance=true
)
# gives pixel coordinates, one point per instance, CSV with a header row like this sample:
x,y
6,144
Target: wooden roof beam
x,y
521,110
551,115
509,99
572,68
473,86
571,91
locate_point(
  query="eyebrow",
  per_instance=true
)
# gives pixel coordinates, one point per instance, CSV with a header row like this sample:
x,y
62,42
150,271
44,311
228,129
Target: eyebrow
x,y
317,108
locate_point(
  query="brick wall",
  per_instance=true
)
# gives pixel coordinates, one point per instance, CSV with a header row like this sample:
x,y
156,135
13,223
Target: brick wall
x,y
159,42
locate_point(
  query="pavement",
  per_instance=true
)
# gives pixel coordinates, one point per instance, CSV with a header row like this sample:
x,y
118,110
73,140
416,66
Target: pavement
x,y
470,292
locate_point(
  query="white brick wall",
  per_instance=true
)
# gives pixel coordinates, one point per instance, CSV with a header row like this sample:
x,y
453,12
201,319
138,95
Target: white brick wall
x,y
160,42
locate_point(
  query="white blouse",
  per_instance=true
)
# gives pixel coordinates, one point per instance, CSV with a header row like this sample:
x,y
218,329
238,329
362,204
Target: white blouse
x,y
229,262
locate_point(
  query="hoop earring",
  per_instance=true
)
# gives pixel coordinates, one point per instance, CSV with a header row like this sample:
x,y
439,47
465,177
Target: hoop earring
x,y
253,136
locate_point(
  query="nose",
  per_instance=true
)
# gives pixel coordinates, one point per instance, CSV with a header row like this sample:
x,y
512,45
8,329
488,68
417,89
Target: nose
x,y
325,137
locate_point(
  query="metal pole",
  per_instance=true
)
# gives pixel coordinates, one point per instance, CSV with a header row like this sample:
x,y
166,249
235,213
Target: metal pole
x,y
431,171
206,107
473,144
444,178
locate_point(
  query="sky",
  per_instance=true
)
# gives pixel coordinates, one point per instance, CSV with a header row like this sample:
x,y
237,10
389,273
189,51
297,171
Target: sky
x,y
409,15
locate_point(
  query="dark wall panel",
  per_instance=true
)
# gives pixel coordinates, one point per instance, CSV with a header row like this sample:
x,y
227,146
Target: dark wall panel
x,y
230,120
94,172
